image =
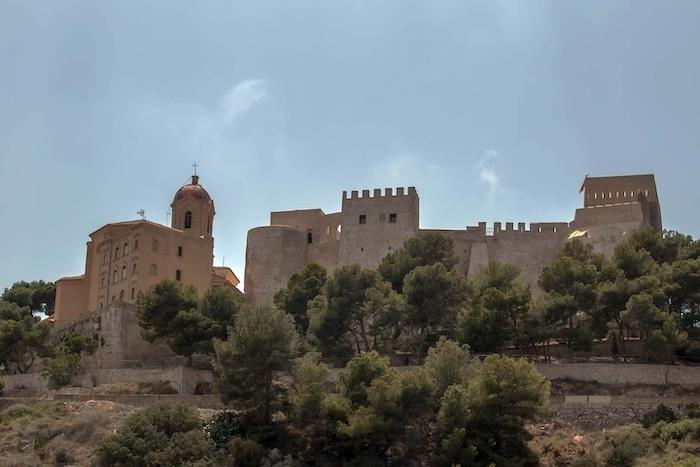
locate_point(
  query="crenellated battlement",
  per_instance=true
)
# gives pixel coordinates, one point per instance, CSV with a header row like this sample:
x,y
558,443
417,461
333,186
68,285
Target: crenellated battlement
x,y
381,193
520,227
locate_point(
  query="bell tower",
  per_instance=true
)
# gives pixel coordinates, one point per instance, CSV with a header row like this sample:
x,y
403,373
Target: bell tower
x,y
193,210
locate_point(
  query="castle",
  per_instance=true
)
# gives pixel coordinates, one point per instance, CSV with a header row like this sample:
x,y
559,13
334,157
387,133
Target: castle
x,y
371,224
124,258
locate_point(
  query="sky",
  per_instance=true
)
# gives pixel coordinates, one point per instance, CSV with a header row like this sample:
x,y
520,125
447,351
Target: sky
x,y
494,110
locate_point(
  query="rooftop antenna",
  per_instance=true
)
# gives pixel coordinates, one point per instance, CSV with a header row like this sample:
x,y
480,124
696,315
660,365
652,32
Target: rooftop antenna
x,y
167,216
141,213
195,165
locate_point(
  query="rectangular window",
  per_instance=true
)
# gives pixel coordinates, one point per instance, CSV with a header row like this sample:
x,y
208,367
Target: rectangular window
x,y
133,268
392,218
363,218
154,245
136,244
179,251
309,237
133,292
178,275
103,282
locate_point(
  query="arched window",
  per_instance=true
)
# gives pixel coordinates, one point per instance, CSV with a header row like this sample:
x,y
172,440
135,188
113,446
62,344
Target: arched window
x,y
154,269
124,272
178,275
112,298
136,244
179,251
188,220
154,245
126,249
114,276
121,296
133,293
116,253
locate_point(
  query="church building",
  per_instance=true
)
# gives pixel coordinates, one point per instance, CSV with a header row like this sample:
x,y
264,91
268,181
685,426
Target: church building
x,y
124,258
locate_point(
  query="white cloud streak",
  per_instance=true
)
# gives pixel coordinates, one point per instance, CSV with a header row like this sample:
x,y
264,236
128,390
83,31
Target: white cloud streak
x,y
242,97
488,174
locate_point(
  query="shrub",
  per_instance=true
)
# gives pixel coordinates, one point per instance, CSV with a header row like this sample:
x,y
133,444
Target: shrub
x,y
183,449
667,431
61,456
223,427
359,373
692,410
15,411
308,389
152,430
622,448
244,453
449,363
61,370
661,413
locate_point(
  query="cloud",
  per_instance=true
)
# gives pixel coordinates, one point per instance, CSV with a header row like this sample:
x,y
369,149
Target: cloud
x,y
242,97
488,174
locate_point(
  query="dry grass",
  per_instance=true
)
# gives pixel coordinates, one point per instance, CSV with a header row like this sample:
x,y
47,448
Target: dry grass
x,y
57,433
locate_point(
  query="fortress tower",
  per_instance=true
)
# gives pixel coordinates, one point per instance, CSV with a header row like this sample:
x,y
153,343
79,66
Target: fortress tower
x,y
372,224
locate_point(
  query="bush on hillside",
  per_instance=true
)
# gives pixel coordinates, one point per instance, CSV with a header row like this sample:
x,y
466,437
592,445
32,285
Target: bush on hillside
x,y
162,434
661,413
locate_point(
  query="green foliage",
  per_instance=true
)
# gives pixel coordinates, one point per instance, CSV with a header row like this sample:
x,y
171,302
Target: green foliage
x,y
425,250
433,295
497,303
662,413
340,317
38,296
64,364
22,337
161,434
159,306
488,416
359,373
262,342
244,453
60,371
302,287
677,430
223,426
448,363
621,448
308,389
170,311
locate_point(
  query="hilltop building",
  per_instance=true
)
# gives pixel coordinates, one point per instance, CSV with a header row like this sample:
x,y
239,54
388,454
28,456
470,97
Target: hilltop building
x,y
373,223
124,258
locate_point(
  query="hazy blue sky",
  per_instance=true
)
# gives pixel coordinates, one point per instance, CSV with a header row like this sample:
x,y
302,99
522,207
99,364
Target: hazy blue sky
x,y
494,110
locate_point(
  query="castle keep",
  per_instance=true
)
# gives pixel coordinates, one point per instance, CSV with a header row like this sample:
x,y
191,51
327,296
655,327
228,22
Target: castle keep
x,y
373,223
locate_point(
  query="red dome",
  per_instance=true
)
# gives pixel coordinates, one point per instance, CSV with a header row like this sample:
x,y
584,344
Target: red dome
x,y
193,189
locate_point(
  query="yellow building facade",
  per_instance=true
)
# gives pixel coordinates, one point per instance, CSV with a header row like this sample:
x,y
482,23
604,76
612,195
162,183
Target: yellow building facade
x,y
124,258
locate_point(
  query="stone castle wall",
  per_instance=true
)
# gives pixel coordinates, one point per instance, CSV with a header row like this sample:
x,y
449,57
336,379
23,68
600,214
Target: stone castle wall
x,y
373,223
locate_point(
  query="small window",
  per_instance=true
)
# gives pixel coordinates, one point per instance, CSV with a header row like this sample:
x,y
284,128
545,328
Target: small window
x,y
103,282
154,269
112,298
114,276
188,220
116,253
328,229
309,237
126,249
178,275
136,244
646,192
179,251
104,258
124,272
121,296
554,230
392,218
133,268
363,218
595,195
154,245
132,294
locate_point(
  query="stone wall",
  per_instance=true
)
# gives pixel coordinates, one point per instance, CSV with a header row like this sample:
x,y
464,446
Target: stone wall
x,y
611,373
183,379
